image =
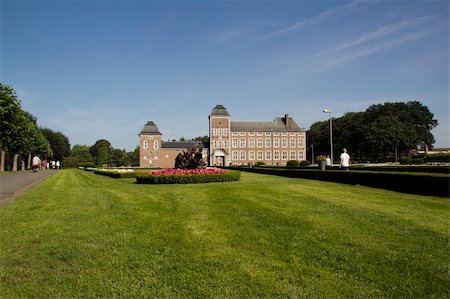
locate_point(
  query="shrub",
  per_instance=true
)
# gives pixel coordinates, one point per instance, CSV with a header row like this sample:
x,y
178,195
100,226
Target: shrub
x,y
320,158
172,177
87,165
417,161
116,173
445,158
192,159
305,163
405,160
293,163
260,163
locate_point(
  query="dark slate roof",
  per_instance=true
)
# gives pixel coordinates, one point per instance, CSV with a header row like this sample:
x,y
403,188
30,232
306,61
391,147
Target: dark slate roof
x,y
181,144
150,129
219,110
277,125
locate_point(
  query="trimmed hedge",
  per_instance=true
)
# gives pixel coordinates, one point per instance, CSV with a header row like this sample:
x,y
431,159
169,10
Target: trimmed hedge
x,y
414,183
116,174
293,163
228,176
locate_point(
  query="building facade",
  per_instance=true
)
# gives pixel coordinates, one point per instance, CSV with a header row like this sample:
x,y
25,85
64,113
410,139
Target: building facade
x,y
230,142
248,142
154,152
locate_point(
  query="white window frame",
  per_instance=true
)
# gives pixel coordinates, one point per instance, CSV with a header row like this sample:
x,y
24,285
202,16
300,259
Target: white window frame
x,y
284,142
268,155
268,143
259,155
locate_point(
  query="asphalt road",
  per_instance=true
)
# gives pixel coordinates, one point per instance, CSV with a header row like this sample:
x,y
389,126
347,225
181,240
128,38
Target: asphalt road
x,y
13,184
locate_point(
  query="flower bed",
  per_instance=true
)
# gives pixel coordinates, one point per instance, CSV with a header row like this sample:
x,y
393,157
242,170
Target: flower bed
x,y
116,173
187,176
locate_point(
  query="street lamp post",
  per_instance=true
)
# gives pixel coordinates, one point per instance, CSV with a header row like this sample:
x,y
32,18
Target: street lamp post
x,y
331,134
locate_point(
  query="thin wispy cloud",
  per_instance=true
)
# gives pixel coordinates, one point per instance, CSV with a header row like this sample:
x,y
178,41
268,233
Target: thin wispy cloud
x,y
385,38
378,34
320,18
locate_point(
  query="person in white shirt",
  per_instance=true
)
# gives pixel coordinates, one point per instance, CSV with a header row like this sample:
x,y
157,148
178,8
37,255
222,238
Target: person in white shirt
x,y
345,160
328,162
35,163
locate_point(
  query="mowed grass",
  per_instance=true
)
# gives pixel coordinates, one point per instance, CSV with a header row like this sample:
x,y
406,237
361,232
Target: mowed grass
x,y
78,234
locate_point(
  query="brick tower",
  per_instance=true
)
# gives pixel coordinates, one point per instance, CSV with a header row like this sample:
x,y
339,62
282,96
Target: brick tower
x,y
149,145
219,136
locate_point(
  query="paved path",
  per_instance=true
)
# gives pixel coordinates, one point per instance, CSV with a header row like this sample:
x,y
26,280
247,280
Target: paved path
x,y
13,184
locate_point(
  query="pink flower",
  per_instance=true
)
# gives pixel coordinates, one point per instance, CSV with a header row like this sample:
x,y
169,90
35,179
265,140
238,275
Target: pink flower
x,y
176,171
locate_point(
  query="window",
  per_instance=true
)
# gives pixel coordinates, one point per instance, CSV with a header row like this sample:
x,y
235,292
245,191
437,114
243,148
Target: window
x,y
219,144
283,134
276,155
242,155
300,142
251,155
259,155
268,134
234,142
234,133
284,155
276,142
155,144
145,145
292,134
234,155
227,144
251,142
268,142
292,155
268,155
283,142
242,142
300,155
276,134
251,134
259,142
292,142
242,133
259,134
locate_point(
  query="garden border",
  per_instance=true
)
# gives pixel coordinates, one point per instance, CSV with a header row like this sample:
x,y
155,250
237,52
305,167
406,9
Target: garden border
x,y
414,183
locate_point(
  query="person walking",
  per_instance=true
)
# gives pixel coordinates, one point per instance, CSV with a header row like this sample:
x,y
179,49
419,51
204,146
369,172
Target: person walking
x,y
35,163
345,160
328,162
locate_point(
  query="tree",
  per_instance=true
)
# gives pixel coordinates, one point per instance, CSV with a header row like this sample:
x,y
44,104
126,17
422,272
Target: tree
x,y
19,131
81,151
133,157
58,142
379,131
385,134
101,152
119,157
413,114
192,159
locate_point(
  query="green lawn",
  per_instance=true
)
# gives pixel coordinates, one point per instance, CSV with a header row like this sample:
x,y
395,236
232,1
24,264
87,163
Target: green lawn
x,y
78,234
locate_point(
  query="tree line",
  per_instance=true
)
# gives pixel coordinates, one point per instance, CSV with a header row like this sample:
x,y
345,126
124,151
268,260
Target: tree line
x,y
101,154
21,138
382,132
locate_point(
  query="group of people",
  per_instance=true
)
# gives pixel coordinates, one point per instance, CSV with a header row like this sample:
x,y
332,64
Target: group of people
x,y
344,162
44,164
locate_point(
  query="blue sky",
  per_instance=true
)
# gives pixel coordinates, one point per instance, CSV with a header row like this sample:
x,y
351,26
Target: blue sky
x,y
101,69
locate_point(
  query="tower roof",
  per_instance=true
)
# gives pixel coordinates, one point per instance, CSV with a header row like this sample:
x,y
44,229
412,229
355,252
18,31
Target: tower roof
x,y
219,110
150,129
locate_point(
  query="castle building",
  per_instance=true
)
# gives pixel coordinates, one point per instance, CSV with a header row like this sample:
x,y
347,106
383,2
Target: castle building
x,y
247,142
231,142
155,152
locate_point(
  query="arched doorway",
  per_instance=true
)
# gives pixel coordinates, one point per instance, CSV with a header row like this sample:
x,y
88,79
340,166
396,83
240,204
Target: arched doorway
x,y
219,158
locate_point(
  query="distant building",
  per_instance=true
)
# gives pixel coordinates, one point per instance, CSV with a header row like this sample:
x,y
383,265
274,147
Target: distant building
x,y
247,142
231,142
154,152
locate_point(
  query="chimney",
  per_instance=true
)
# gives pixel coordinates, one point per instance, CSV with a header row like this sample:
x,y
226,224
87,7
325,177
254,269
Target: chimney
x,y
286,120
